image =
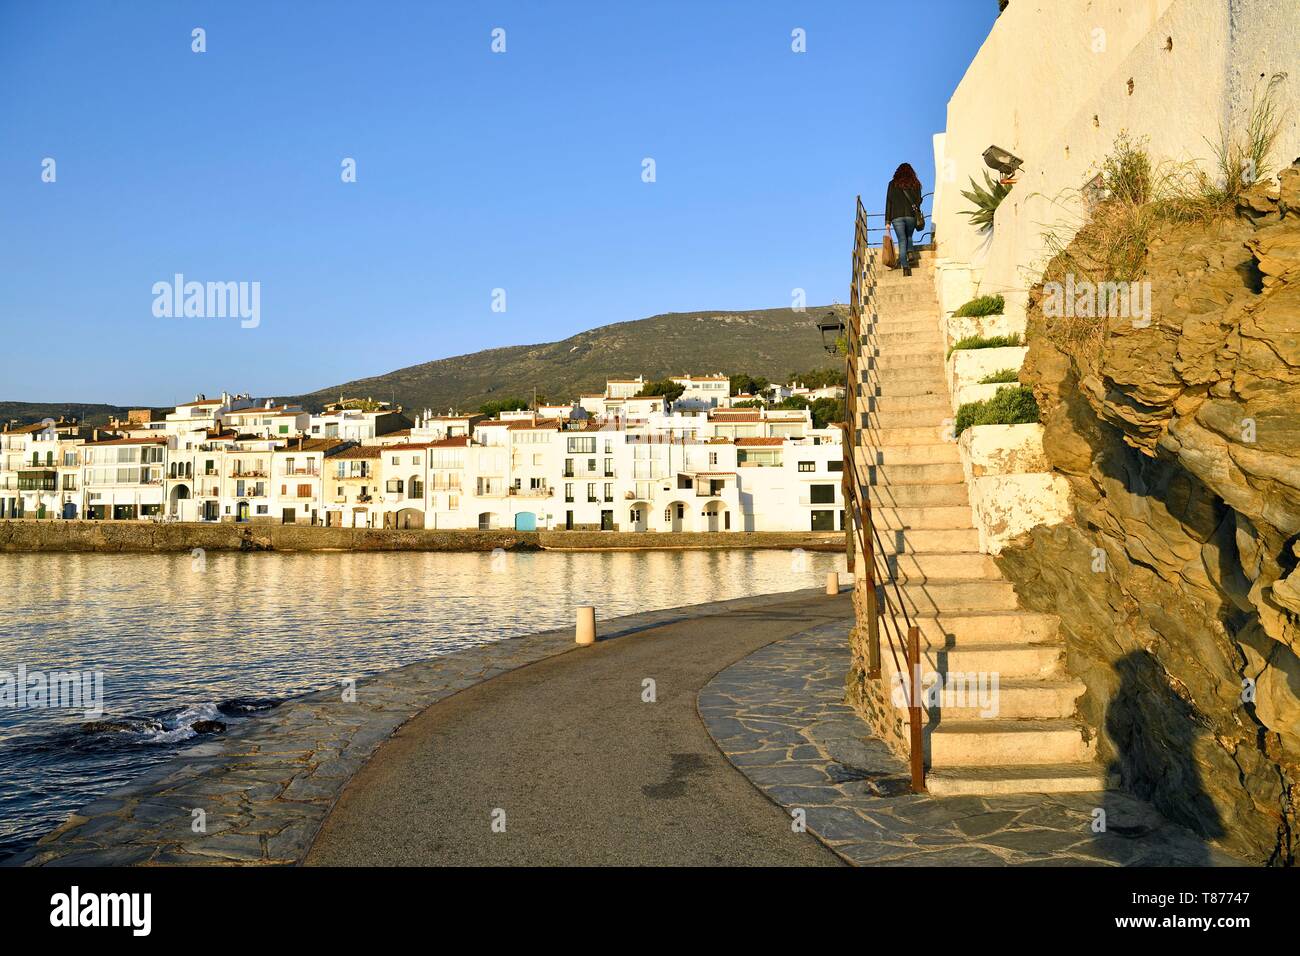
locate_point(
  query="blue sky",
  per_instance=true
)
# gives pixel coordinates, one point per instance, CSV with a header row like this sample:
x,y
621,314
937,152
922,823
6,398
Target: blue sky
x,y
475,171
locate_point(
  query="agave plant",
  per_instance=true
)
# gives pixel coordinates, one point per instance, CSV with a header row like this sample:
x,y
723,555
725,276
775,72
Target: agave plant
x,y
986,199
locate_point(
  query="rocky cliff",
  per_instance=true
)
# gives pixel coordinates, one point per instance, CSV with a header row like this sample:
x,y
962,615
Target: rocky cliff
x,y
1176,578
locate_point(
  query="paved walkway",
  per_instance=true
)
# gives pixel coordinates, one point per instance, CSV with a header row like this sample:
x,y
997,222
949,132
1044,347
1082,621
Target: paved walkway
x,y
578,765
779,717
260,794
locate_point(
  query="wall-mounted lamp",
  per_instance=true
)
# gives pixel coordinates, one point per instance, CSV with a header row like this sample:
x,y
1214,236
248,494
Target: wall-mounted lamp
x,y
1005,162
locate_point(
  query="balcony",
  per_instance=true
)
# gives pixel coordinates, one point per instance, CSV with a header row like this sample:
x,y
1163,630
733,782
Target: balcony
x,y
532,492
306,472
248,474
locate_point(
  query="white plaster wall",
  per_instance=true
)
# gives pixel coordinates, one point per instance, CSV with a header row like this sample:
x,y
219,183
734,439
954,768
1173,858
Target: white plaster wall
x,y
1010,489
967,366
1038,89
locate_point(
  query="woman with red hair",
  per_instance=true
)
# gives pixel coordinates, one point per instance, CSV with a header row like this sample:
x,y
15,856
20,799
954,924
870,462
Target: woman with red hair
x,y
902,211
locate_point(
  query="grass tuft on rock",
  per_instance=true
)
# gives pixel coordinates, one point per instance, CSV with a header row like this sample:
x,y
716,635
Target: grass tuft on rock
x,y
982,305
1010,406
985,342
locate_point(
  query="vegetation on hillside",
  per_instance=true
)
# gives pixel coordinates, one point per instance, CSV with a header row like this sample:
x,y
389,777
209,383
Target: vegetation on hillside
x,y
666,387
495,407
767,343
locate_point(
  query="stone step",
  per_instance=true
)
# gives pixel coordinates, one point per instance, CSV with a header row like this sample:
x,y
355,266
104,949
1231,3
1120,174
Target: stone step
x,y
930,401
1012,698
945,565
919,388
893,519
930,542
1034,661
944,596
931,359
1037,778
919,454
991,743
944,473
924,435
920,496
910,418
928,373
878,348
901,323
902,293
1015,628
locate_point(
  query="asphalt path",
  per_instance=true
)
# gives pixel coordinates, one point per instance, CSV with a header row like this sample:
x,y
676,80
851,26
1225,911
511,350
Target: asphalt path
x,y
566,762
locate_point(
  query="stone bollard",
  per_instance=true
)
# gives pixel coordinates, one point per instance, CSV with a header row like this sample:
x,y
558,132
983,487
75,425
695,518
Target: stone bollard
x,y
832,583
586,631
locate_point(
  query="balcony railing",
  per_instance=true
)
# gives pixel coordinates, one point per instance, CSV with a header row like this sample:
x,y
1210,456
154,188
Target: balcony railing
x,y
532,492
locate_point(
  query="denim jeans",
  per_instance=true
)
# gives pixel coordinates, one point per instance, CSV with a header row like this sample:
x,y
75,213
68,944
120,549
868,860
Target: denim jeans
x,y
903,229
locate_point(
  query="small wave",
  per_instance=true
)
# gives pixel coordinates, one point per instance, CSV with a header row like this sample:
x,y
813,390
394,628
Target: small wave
x,y
170,726
240,706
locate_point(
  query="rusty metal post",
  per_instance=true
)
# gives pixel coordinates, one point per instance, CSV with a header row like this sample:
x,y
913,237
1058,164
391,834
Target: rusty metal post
x,y
914,708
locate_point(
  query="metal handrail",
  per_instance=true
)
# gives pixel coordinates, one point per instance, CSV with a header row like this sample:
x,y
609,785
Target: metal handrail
x,y
857,494
929,222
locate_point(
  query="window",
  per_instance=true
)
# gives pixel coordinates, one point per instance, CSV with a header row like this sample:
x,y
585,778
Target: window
x,y
568,491
713,458
823,521
807,466
835,464
582,446
609,467
284,429
821,495
591,491
609,491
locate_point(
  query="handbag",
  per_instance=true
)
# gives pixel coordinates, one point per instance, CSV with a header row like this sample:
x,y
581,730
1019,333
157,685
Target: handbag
x,y
920,216
888,252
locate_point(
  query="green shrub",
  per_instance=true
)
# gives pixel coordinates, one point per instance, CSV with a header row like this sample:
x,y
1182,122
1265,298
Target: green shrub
x,y
984,305
1010,406
985,201
1001,376
985,342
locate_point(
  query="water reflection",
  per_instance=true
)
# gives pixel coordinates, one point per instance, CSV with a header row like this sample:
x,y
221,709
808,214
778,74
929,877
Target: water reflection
x,y
178,638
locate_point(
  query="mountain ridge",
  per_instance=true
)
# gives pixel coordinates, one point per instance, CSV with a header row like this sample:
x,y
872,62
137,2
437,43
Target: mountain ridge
x,y
772,343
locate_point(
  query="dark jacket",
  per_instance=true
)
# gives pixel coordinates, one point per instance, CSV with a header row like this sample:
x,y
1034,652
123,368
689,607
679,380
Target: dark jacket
x,y
900,203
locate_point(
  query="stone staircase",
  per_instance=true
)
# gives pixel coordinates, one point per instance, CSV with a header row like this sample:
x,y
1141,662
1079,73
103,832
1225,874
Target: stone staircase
x,y
968,616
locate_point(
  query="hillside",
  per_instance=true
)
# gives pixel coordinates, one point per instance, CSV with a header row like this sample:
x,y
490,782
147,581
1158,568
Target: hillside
x,y
26,412
772,343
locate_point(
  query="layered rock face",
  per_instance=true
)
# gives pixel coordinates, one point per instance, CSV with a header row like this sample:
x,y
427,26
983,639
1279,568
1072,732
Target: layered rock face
x,y
1176,581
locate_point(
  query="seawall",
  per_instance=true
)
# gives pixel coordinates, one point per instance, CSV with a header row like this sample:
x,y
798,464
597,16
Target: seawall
x,y
148,537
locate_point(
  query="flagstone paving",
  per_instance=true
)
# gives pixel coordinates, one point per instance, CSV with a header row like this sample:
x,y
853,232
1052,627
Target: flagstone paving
x,y
779,717
260,794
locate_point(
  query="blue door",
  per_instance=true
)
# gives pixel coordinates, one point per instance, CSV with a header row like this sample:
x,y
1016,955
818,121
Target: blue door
x,y
525,521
